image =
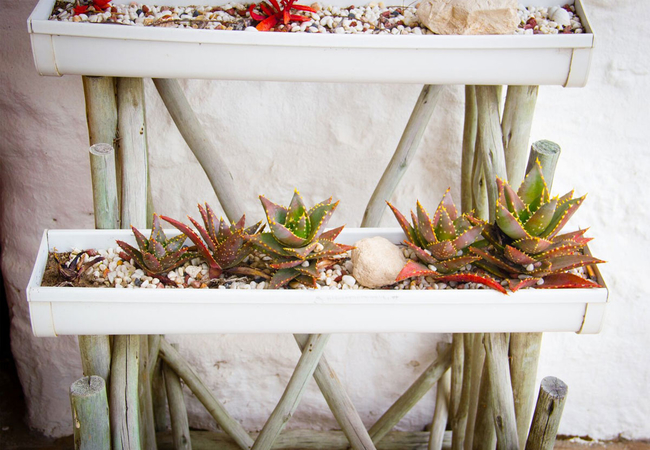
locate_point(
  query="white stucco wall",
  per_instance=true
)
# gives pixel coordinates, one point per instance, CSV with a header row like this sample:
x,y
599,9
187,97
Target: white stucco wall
x,y
336,139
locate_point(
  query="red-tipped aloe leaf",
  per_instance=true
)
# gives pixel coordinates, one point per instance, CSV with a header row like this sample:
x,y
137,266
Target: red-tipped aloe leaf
x,y
232,251
267,243
445,229
207,238
448,202
409,231
285,264
282,277
274,212
425,225
174,244
157,248
515,284
414,269
533,245
131,253
307,281
467,238
157,232
329,249
501,264
140,239
152,265
473,278
517,256
566,280
541,218
568,262
302,252
285,236
319,217
207,254
421,254
533,186
574,236
563,213
442,250
332,234
509,224
248,271
454,264
310,270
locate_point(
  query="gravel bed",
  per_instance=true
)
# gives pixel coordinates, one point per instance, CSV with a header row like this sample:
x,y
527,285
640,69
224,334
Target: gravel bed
x,y
373,18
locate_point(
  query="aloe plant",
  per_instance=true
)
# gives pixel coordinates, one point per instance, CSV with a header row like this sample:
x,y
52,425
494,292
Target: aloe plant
x,y
525,246
441,244
296,240
72,270
223,246
157,255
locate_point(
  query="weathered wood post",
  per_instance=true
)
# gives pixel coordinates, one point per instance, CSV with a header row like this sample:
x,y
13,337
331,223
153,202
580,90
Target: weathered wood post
x,y
124,413
525,347
90,414
441,413
483,436
548,412
101,116
404,154
501,399
177,410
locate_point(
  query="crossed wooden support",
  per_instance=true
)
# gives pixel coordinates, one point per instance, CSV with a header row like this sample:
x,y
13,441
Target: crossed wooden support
x,y
487,405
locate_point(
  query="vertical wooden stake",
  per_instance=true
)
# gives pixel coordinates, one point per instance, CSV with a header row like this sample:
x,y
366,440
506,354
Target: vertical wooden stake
x,y
177,410
484,435
548,412
457,362
459,420
441,413
147,426
516,124
548,153
469,147
102,171
90,414
406,149
124,412
95,356
474,384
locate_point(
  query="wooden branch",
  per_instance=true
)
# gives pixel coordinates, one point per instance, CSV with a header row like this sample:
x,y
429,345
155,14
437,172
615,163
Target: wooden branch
x,y
404,154
474,384
102,172
412,395
548,412
203,394
459,419
457,361
524,358
484,435
292,395
339,402
548,153
90,420
489,142
154,349
469,146
307,440
124,405
441,413
204,150
95,356
133,151
101,109
147,425
159,398
501,398
177,410
516,124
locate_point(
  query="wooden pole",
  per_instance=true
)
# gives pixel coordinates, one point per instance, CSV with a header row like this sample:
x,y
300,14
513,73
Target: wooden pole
x,y
548,153
90,414
473,384
469,147
413,394
404,154
516,124
290,399
339,402
548,412
501,398
177,410
124,412
159,398
457,361
204,150
483,435
307,440
441,413
489,142
203,394
459,420
101,116
525,347
147,425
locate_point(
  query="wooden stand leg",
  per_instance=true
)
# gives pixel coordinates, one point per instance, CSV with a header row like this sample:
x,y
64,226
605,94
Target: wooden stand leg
x,y
124,412
483,435
177,410
474,385
516,124
339,402
403,155
413,394
90,414
548,412
290,400
441,413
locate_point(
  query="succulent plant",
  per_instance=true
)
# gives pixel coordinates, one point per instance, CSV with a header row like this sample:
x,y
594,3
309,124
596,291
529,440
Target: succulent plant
x,y
296,240
223,246
71,270
157,255
524,244
441,243
274,12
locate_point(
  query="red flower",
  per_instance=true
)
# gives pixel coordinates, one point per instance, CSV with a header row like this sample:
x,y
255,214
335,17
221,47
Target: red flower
x,y
80,9
273,13
101,5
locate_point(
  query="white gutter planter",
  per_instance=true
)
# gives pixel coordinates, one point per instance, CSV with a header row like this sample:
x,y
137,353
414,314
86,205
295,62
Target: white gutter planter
x,y
64,48
82,310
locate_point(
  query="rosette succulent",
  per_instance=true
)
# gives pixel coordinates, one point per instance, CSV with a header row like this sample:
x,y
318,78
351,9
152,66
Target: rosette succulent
x,y
441,244
525,246
296,240
223,246
157,255
72,270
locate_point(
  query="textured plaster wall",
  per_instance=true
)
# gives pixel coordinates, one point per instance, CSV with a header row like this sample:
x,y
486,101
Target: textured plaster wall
x,y
336,139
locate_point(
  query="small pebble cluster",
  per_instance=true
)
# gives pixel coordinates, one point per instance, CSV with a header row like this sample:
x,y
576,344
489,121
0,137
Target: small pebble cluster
x,y
115,272
373,18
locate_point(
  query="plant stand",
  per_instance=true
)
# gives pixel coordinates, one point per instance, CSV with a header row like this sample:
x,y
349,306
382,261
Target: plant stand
x,y
485,379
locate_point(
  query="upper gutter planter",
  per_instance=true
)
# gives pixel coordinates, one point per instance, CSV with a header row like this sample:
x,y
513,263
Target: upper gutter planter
x,y
64,48
84,310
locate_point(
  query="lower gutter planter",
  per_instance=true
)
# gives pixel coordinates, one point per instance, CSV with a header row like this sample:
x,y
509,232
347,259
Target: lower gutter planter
x,y
61,48
81,310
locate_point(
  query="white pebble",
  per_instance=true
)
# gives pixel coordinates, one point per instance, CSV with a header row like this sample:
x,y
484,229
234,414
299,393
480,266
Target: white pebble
x,y
349,280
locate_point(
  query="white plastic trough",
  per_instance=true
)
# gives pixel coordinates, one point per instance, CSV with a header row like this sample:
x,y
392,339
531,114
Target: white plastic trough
x,y
77,311
127,51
